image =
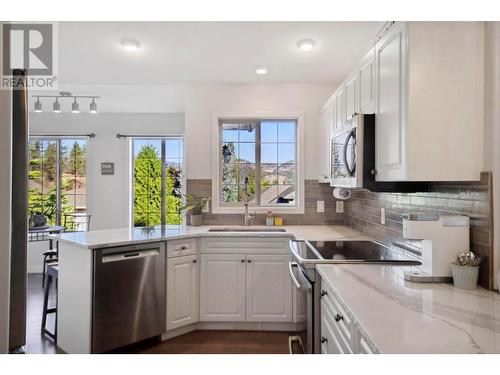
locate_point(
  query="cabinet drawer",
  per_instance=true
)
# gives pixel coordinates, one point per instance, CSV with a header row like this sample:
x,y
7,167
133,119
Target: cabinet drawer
x,y
244,245
177,248
332,341
341,318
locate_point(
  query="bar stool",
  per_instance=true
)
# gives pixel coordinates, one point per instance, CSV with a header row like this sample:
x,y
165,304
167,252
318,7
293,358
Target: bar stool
x,y
51,276
49,256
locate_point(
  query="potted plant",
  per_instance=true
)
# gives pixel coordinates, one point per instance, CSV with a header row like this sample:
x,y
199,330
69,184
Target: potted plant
x,y
38,217
194,207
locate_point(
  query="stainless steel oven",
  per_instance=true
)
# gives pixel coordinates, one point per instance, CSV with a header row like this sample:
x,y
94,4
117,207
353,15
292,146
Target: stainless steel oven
x,y
307,254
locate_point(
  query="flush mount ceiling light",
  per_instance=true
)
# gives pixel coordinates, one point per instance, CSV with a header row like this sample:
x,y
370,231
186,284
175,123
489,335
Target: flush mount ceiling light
x,y
74,107
93,106
57,106
261,70
130,44
306,44
38,105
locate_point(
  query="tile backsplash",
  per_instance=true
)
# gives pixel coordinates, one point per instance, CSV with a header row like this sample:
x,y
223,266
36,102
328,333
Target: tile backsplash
x,y
362,211
314,191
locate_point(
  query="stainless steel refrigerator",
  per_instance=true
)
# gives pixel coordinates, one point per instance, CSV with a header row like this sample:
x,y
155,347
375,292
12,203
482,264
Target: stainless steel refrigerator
x,y
19,215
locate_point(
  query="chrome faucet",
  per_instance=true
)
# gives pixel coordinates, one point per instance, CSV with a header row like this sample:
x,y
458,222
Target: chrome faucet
x,y
248,217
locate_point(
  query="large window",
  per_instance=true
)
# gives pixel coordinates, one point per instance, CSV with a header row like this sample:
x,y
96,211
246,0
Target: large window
x,y
57,179
258,162
157,169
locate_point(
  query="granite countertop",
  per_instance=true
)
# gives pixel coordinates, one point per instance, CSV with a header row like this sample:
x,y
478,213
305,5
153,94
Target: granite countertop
x,y
129,236
407,317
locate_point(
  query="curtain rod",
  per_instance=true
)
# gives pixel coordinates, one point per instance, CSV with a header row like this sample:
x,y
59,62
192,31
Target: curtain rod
x,y
91,135
148,136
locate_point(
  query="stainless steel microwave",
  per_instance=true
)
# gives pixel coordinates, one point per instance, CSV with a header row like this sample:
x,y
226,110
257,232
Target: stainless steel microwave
x,y
353,160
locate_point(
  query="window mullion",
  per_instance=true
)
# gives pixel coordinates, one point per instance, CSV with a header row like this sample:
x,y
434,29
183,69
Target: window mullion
x,y
58,183
163,178
257,164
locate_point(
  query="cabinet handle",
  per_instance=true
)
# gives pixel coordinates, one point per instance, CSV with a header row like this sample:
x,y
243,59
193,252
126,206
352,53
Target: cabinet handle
x,y
338,317
183,247
195,261
243,261
249,261
323,293
323,339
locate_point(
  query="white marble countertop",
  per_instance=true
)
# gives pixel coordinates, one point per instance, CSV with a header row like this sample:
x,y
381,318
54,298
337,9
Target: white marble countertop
x,y
406,317
129,236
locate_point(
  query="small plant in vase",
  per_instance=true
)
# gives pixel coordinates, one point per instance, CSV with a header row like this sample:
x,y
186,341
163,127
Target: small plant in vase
x,y
194,207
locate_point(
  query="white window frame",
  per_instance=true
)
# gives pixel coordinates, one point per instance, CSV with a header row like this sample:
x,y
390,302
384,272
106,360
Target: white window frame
x,y
217,208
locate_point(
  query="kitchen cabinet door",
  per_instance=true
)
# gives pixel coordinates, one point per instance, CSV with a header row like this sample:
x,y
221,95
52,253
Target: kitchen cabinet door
x,y
269,289
222,287
351,99
340,109
182,291
326,124
390,124
366,77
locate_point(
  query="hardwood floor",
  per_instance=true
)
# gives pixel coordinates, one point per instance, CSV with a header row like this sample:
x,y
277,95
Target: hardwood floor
x,y
198,342
216,342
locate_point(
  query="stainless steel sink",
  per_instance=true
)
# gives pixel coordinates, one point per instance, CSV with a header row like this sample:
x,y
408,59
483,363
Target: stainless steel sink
x,y
247,229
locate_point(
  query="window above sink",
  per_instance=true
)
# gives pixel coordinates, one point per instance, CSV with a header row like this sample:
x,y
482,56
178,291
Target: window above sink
x,y
258,157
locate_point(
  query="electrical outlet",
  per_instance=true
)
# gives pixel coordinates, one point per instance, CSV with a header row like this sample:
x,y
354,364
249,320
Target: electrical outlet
x,y
339,207
320,206
382,216
206,208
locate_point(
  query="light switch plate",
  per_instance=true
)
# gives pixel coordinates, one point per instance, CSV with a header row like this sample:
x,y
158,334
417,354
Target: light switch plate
x,y
320,206
339,207
382,216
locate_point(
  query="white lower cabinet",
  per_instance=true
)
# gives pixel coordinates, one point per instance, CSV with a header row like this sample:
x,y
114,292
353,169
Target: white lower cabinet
x,y
182,291
268,289
339,335
222,287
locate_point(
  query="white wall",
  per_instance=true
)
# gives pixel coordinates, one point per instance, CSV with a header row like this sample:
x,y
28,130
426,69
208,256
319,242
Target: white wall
x,y
108,199
492,125
204,100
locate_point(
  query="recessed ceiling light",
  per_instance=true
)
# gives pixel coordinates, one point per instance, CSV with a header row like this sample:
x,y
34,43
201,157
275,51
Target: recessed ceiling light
x,y
130,44
261,70
306,44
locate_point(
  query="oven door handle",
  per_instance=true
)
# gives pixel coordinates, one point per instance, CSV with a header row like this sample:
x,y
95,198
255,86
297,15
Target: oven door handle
x,y
298,285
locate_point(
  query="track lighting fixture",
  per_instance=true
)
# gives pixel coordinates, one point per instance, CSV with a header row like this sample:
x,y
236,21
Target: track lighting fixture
x,y
75,106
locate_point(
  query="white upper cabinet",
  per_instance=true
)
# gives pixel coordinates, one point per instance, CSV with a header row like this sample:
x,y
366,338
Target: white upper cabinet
x,y
340,109
424,81
366,83
351,96
182,291
326,119
429,102
269,290
390,75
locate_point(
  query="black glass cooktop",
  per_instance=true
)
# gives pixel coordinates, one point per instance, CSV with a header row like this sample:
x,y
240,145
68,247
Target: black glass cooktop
x,y
351,250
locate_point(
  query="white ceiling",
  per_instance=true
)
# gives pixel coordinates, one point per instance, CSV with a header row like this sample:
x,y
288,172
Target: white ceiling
x,y
209,52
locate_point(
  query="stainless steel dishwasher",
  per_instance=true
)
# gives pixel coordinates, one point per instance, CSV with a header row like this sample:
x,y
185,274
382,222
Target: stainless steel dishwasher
x,y
129,295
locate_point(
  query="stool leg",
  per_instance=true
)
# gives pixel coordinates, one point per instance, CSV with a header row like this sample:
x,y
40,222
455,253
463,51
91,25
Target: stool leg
x,y
43,270
46,291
